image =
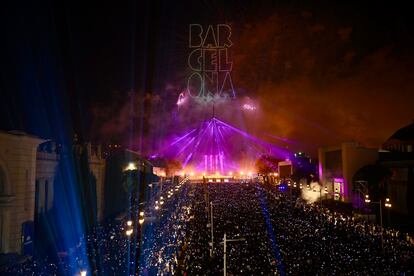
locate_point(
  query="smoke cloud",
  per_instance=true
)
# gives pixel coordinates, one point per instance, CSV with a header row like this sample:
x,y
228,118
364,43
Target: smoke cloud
x,y
310,81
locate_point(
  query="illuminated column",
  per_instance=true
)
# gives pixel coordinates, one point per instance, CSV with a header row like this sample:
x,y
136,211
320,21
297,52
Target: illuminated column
x,y
221,163
211,163
205,163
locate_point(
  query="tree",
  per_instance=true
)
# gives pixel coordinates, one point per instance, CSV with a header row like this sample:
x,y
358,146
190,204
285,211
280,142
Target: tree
x,y
265,165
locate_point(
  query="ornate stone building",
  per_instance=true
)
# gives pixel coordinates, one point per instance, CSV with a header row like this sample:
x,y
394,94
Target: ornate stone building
x,y
17,186
27,172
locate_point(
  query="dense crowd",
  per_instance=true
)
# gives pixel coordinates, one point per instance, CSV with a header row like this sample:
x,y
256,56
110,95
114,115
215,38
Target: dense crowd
x,y
285,235
108,250
271,232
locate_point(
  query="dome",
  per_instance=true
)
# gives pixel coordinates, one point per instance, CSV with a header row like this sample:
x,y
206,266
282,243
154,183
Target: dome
x,y
402,140
404,134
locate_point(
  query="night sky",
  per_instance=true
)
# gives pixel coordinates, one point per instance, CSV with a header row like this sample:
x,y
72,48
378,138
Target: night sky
x,y
318,72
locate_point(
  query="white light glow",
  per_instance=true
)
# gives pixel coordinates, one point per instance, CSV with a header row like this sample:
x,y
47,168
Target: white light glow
x,y
249,107
131,167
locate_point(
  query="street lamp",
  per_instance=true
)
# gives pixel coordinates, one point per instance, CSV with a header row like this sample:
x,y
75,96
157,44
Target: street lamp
x,y
212,229
225,241
129,222
387,205
83,273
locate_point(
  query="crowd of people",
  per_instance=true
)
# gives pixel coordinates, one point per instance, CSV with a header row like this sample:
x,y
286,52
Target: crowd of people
x,y
108,250
282,234
268,232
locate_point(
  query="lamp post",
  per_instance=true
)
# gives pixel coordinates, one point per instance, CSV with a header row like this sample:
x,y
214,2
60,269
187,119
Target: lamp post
x,y
387,205
135,219
225,241
290,191
212,229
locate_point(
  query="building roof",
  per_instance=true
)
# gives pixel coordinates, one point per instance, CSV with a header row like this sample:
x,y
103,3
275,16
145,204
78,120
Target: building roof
x,y
15,134
404,134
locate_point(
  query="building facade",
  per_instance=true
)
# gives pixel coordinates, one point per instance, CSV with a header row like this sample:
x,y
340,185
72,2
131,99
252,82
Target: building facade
x,y
18,153
398,156
28,167
338,165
